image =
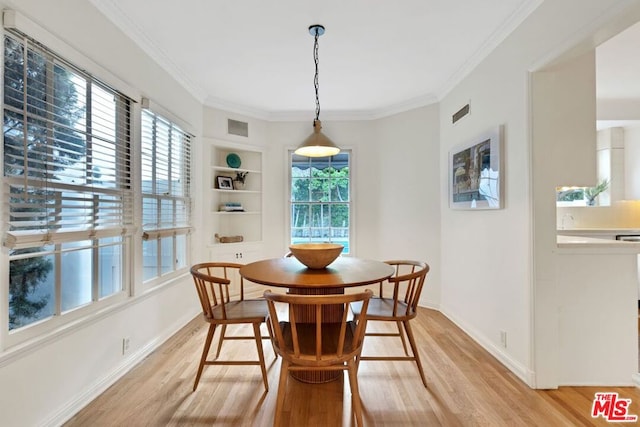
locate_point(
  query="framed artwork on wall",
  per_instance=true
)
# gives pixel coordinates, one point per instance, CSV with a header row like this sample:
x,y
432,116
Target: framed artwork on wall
x,y
475,172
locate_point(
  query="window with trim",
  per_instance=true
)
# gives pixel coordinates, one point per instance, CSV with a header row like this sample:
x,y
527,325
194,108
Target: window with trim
x,y
583,196
66,185
320,199
166,199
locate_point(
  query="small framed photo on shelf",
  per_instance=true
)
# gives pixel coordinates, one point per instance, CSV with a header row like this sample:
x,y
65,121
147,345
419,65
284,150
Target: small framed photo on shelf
x,y
224,182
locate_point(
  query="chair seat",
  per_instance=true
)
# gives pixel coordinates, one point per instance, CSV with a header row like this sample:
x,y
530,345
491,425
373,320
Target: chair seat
x,y
307,340
382,309
242,311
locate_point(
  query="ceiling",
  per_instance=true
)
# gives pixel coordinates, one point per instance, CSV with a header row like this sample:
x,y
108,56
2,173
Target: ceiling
x,y
376,58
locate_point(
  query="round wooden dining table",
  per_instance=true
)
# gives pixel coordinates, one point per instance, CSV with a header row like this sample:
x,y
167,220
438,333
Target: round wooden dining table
x,y
290,273
342,273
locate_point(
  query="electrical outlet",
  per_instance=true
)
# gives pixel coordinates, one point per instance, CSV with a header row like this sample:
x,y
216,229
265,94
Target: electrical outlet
x,y
126,342
503,338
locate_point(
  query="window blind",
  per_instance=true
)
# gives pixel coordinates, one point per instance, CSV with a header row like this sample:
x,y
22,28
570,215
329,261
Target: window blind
x,y
67,158
166,175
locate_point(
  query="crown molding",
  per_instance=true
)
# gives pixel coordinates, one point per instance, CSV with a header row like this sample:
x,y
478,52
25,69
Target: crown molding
x,y
285,116
497,37
130,28
223,104
409,104
302,115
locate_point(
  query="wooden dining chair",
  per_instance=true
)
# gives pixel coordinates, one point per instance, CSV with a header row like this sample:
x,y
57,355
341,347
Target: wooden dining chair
x,y
397,302
221,292
318,346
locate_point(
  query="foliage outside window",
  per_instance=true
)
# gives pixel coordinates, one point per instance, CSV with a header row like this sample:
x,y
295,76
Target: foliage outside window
x,y
321,199
580,196
66,182
166,202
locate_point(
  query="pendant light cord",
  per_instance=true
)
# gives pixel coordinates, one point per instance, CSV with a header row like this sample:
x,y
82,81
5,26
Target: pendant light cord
x,y
316,83
317,144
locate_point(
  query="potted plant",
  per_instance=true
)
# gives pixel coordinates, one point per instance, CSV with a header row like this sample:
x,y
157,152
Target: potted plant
x,y
238,181
592,192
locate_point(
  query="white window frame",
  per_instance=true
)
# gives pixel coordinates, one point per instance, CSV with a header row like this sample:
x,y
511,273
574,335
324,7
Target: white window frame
x,y
179,227
51,326
351,202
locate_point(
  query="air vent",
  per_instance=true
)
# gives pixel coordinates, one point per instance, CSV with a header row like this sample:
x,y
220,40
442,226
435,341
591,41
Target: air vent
x,y
235,127
460,113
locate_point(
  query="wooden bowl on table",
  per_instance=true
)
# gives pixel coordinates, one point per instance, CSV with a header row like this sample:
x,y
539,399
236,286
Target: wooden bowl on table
x,y
316,255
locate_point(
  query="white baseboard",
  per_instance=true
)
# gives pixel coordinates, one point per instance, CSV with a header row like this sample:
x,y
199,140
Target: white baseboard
x,y
102,384
521,371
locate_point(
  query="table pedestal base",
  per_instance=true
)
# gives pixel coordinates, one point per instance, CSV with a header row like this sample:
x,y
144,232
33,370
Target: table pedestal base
x,y
316,377
330,313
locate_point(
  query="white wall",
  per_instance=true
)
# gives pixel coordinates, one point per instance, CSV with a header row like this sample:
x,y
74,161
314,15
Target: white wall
x,y
486,254
395,180
563,115
408,201
632,162
595,312
44,383
610,164
488,263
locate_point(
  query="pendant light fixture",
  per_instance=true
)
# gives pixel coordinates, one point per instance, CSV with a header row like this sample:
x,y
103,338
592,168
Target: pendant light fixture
x,y
317,144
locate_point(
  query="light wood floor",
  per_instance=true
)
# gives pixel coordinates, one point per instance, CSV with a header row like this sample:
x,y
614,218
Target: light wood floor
x,y
467,387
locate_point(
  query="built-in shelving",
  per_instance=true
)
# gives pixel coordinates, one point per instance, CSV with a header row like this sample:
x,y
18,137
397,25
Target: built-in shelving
x,y
246,223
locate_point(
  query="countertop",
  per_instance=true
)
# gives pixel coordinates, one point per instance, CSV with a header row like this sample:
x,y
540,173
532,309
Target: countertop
x,y
589,231
584,242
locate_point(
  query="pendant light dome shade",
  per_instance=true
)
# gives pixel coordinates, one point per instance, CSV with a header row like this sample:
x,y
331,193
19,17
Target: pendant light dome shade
x,y
317,144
